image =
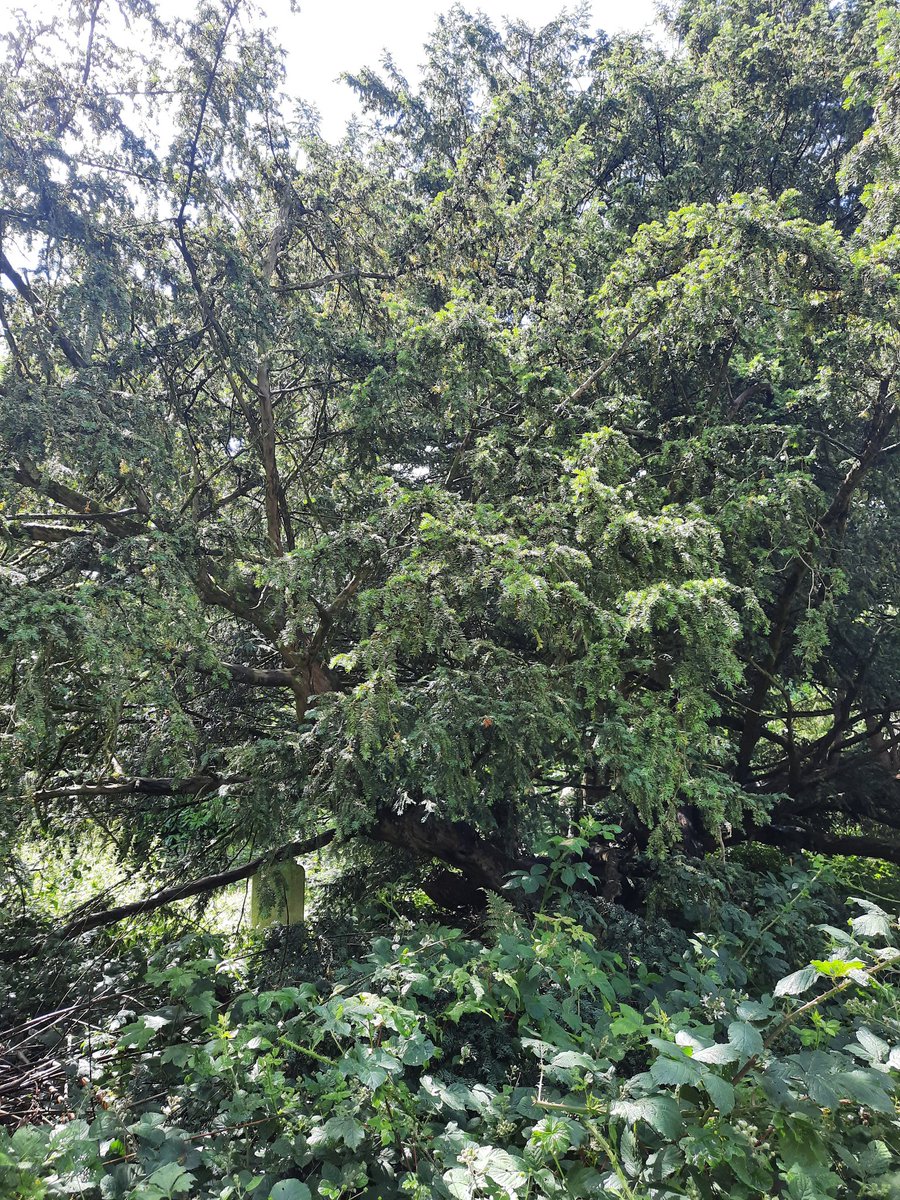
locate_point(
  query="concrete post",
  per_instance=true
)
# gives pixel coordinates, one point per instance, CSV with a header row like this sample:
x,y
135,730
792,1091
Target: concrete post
x,y
277,895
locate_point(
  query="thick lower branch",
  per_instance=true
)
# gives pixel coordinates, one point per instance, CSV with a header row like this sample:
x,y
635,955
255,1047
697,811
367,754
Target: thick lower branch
x,y
260,676
28,475
484,863
793,838
196,887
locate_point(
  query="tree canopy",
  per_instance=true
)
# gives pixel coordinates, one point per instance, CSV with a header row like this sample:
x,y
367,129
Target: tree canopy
x,y
527,458
529,453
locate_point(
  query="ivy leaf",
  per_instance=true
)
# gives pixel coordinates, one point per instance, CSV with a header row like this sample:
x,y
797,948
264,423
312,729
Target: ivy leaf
x,y
418,1051
171,1179
149,1128
346,1129
368,1074
180,1055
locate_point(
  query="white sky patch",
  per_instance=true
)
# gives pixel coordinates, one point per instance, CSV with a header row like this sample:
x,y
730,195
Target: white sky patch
x,y
406,471
327,37
324,39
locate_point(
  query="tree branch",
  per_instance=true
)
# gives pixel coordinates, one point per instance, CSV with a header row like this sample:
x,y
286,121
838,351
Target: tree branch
x,y
28,475
818,841
191,785
260,676
68,347
830,522
31,531
197,887
336,277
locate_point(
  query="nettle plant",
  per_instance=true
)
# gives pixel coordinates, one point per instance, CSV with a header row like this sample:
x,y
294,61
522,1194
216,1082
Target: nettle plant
x,y
540,1065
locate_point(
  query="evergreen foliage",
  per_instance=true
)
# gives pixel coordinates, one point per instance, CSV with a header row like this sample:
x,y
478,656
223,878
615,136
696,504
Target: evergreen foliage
x,y
500,503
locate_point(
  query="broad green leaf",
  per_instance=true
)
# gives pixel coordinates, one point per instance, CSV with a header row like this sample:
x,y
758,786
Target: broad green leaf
x,y
628,1153
503,1168
628,1021
868,1088
458,1182
718,1054
346,1129
571,1059
745,1038
720,1092
796,983
872,925
801,1186
753,1010
877,1048
877,1158
172,1179
674,1072
289,1189
660,1112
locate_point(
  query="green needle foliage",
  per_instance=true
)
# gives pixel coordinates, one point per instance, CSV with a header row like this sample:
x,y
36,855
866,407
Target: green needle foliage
x,y
523,465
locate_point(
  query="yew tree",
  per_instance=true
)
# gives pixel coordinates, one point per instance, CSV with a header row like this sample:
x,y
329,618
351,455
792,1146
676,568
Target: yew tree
x,y
528,456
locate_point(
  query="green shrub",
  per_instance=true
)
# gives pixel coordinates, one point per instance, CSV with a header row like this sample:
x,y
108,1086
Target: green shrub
x,y
541,1065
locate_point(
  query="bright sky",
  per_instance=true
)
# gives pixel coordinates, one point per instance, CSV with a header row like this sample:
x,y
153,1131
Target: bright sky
x,y
326,37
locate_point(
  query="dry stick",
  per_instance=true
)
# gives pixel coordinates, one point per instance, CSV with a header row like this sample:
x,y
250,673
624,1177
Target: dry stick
x,y
34,1022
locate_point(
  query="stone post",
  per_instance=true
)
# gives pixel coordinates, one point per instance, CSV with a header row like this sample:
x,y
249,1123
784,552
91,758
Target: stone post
x,y
277,894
